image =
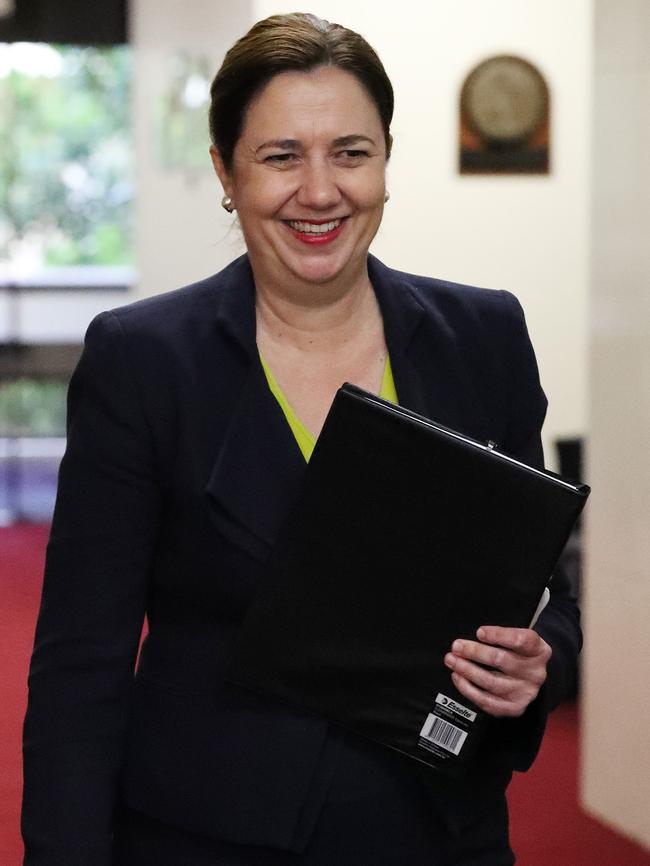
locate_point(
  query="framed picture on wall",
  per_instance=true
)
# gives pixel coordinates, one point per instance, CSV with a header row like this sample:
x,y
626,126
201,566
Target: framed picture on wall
x,y
504,118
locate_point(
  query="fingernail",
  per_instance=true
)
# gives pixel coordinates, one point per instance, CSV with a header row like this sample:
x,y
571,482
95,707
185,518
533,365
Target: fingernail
x,y
457,646
450,660
481,634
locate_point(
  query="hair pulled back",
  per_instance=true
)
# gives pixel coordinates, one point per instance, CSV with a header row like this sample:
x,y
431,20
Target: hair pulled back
x,y
283,43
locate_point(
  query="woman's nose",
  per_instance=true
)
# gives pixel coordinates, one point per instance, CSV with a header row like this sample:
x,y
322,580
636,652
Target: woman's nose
x,y
318,188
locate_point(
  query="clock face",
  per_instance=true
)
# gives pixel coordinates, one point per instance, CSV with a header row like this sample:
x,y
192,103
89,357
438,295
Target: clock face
x,y
504,99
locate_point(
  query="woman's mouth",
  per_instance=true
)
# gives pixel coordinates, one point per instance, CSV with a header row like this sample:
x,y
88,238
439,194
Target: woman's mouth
x,y
316,232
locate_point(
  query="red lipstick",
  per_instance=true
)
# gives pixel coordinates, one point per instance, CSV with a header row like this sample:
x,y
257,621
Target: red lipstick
x,y
317,239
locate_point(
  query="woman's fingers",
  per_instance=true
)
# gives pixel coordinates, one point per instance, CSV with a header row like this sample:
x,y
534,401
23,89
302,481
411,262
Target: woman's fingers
x,y
501,673
523,641
511,705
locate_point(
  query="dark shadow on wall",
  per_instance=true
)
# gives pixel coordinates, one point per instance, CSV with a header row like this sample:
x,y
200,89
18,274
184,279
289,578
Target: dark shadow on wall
x,y
75,22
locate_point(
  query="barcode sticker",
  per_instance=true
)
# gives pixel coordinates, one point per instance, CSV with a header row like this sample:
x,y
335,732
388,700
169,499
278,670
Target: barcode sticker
x,y
443,734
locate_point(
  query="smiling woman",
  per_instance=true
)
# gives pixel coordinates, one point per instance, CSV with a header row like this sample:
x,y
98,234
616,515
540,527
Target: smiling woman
x,y
191,419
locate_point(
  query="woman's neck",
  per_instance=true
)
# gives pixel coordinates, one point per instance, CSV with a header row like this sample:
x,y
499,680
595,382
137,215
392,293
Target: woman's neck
x,y
318,320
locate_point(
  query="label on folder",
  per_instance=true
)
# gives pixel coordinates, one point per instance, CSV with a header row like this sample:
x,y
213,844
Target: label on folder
x,y
446,727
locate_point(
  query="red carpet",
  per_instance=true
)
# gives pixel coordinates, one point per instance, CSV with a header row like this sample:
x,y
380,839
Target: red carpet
x,y
22,551
548,827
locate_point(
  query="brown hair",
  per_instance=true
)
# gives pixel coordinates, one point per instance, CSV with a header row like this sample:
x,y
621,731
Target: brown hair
x,y
281,43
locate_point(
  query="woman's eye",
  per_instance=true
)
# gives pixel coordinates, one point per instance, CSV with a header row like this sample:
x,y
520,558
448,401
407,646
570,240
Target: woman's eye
x,y
353,155
280,158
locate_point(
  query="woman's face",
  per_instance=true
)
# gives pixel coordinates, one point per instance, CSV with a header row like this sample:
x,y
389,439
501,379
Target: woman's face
x,y
308,177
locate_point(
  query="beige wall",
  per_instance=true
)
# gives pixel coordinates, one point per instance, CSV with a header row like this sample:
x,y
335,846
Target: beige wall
x,y
182,233
616,699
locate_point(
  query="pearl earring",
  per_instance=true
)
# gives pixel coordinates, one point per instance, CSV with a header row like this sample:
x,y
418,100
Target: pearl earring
x,y
227,204
386,196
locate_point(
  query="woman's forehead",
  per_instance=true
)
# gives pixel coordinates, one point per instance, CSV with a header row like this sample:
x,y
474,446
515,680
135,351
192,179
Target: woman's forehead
x,y
324,101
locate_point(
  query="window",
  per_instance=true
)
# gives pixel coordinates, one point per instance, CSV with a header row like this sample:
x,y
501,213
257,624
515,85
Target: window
x,y
66,172
66,187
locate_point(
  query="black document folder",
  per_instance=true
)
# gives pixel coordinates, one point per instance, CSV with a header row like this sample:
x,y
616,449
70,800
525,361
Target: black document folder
x,y
405,536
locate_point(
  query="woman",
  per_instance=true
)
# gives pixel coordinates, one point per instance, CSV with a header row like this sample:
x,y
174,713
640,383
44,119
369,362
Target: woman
x,y
190,418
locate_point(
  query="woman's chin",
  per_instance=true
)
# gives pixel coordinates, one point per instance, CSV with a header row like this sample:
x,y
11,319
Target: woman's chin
x,y
318,276
320,270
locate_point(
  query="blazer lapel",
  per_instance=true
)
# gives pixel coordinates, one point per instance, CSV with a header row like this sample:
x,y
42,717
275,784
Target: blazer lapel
x,y
258,468
257,474
431,377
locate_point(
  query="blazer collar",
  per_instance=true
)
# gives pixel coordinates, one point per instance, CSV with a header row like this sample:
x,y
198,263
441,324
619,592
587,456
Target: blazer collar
x,y
427,354
403,314
236,311
400,307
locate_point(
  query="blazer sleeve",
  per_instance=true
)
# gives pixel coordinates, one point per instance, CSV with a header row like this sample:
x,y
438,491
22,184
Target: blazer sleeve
x,y
559,623
102,542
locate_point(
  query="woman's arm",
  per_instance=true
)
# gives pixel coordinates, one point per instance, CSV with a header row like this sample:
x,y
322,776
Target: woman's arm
x,y
101,546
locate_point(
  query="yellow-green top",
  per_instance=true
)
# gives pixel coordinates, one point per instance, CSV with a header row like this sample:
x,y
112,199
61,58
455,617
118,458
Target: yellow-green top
x,y
304,438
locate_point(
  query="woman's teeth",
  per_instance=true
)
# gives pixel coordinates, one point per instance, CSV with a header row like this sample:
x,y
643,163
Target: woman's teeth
x,y
314,228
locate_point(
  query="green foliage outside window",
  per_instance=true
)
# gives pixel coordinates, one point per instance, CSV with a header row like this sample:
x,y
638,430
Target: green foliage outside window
x,y
32,408
65,156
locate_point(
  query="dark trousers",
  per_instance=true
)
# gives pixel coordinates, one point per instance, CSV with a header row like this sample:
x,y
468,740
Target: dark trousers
x,y
377,813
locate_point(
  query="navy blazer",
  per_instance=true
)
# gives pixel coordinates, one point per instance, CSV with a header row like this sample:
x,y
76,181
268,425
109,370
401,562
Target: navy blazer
x,y
178,472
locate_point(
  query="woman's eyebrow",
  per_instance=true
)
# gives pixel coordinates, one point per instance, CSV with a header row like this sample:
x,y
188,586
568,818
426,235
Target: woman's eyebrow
x,y
294,144
349,140
281,144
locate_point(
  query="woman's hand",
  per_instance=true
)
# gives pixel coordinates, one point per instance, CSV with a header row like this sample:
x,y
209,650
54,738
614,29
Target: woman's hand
x,y
504,672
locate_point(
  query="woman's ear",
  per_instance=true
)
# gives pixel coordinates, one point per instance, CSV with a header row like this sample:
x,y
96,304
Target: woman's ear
x,y
220,171
389,149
